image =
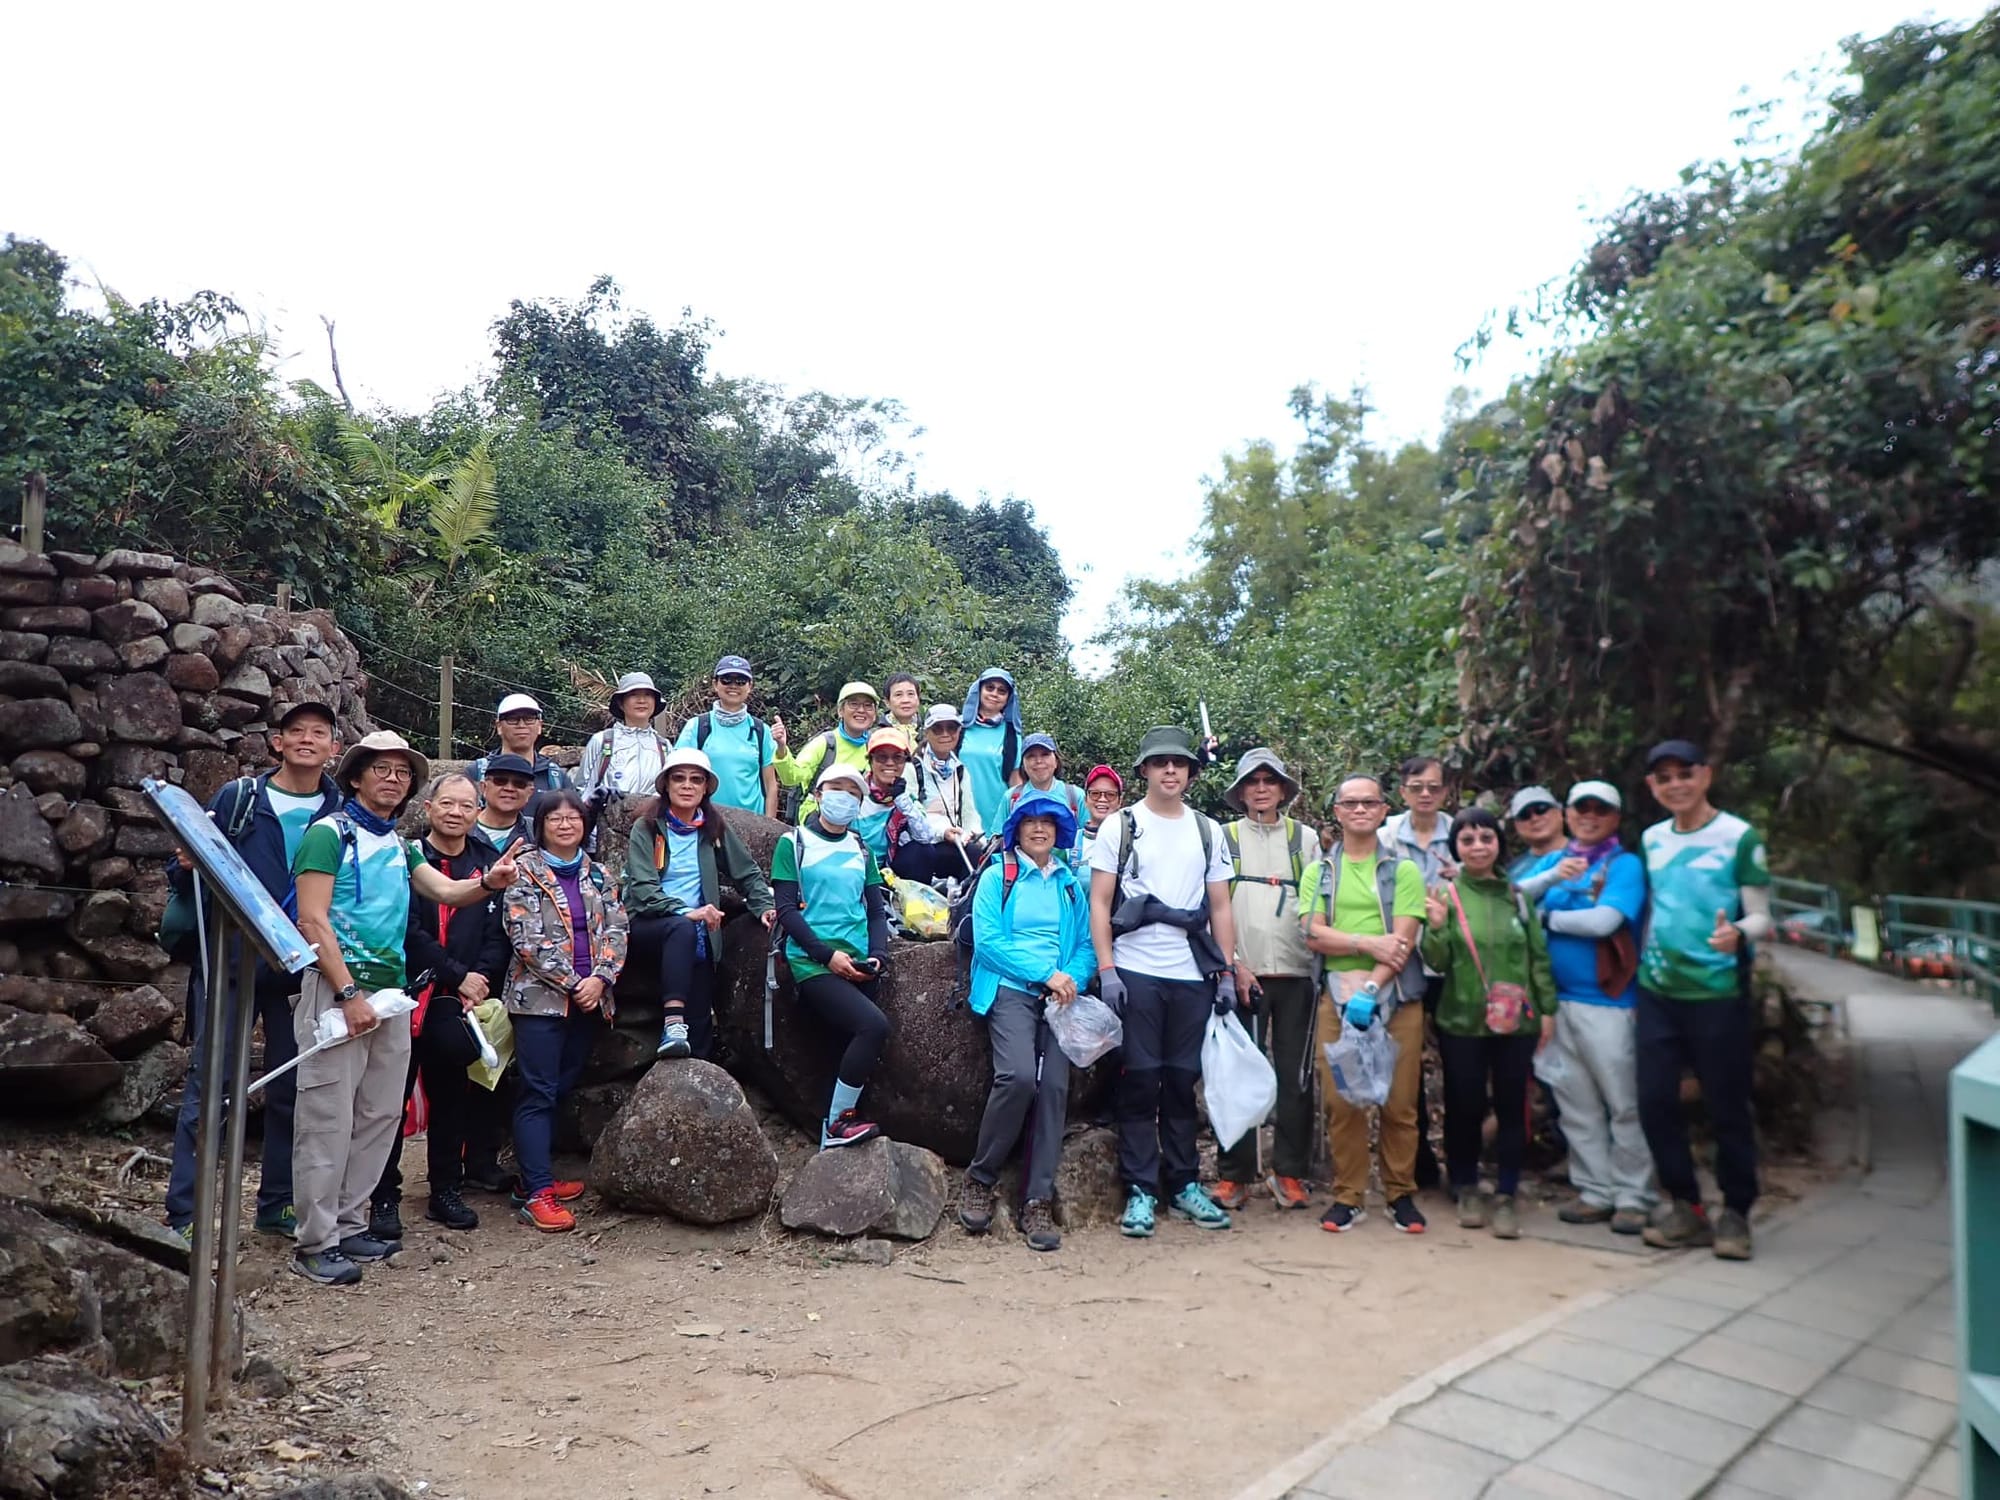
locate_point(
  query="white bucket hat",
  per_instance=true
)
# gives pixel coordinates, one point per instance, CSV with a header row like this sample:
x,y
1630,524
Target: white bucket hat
x,y
687,755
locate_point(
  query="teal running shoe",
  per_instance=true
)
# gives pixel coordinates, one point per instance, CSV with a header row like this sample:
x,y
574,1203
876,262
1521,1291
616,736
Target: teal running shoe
x,y
1138,1220
281,1221
1200,1210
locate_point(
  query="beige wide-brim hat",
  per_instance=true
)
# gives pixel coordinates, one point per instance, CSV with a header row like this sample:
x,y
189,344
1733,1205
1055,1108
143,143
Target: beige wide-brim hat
x,y
1253,761
381,742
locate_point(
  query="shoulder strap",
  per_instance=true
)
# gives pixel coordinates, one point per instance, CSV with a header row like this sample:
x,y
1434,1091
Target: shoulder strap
x,y
1292,848
1232,835
1205,825
1128,830
825,757
244,810
1010,750
1466,928
704,726
1010,871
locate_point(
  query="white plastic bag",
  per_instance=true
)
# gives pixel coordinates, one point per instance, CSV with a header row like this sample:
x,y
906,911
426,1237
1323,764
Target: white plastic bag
x,y
1085,1029
1237,1079
387,1005
1363,1061
1552,1065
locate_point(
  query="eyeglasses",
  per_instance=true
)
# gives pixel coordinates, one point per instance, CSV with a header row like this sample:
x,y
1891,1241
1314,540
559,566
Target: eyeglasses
x,y
733,680
389,770
1424,788
1102,794
508,783
1360,804
1591,808
1263,779
1685,773
1539,810
521,718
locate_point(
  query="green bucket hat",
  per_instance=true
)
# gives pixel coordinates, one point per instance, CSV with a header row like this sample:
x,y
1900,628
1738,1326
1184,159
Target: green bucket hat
x,y
1165,741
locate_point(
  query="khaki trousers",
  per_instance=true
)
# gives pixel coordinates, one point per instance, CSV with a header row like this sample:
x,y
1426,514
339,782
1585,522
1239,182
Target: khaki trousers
x,y
349,1111
1347,1124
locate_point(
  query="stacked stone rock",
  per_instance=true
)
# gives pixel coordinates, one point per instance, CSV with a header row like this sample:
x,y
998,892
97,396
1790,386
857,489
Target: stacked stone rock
x,y
114,669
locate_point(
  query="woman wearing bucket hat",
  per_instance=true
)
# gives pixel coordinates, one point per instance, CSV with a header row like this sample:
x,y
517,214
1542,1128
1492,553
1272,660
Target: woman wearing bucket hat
x,y
1269,852
830,903
1497,1009
625,759
845,744
991,744
949,803
676,859
741,748
1031,944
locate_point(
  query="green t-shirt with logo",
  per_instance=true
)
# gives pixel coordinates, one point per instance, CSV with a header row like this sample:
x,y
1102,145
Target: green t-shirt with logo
x,y
1357,906
1691,877
833,876
370,912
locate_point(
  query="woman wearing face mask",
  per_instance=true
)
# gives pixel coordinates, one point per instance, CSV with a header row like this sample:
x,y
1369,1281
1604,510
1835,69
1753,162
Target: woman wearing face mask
x,y
567,928
991,743
625,760
676,859
830,904
1497,1009
740,747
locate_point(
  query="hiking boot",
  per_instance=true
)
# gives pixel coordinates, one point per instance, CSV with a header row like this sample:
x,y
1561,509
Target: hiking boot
x,y
282,1220
368,1247
847,1131
1038,1225
1200,1210
1629,1221
1681,1226
327,1267
1231,1195
183,1232
1506,1218
385,1221
543,1212
1138,1220
1472,1209
674,1040
1341,1217
1732,1236
1582,1211
448,1209
1288,1192
488,1177
1406,1216
975,1205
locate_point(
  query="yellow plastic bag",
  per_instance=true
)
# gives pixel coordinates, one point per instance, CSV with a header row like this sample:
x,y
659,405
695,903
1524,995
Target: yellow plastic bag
x,y
499,1028
925,913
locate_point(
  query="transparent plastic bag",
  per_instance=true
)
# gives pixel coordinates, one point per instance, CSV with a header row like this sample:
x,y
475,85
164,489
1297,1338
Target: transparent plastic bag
x,y
924,913
1363,1063
1237,1080
1085,1029
1552,1065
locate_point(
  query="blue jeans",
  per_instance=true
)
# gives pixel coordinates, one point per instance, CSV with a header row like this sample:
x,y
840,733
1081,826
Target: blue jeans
x,y
550,1052
274,1184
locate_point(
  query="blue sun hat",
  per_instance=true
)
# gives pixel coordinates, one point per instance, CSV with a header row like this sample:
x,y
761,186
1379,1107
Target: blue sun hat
x,y
1038,804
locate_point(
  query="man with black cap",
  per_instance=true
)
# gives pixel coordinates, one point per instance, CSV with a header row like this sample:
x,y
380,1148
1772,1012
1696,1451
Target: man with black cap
x,y
264,817
1710,900
1162,925
1268,852
517,725
508,787
740,747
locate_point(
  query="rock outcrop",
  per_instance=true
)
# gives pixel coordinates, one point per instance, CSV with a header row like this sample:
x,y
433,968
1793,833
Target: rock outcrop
x,y
686,1143
881,1187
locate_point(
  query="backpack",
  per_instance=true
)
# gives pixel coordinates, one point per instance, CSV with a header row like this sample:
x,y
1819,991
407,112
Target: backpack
x,y
1385,896
704,726
177,922
1232,835
1128,828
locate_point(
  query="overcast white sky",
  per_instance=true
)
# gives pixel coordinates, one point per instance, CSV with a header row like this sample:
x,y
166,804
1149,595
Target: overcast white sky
x,y
1089,247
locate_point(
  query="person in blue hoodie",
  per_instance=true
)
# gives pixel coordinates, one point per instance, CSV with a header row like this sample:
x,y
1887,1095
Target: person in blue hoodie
x,y
1030,944
991,744
1592,910
264,817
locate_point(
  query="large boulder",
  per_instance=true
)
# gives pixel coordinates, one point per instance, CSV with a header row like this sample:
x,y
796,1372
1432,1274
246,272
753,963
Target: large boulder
x,y
29,906
688,1144
149,1078
141,708
49,1063
124,955
127,621
39,723
49,771
127,563
72,1435
880,1187
128,1023
26,679
27,842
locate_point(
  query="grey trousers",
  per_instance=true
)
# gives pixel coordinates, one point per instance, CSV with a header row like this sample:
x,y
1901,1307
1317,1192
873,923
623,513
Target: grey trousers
x,y
1012,1023
350,1108
1598,1098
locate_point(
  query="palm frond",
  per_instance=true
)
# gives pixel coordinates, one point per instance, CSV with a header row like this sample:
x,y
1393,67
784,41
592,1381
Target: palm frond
x,y
464,511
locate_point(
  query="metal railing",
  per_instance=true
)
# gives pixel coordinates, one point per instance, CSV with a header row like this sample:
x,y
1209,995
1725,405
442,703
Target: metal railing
x,y
1975,1229
1809,913
1939,939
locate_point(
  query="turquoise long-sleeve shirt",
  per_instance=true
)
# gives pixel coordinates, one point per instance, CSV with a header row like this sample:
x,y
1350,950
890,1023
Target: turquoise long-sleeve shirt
x,y
979,751
1042,926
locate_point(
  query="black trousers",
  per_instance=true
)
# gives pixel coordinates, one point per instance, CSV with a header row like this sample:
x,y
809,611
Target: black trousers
x,y
1165,1020
454,1103
1283,1025
1713,1039
1478,1069
851,1009
928,863
665,945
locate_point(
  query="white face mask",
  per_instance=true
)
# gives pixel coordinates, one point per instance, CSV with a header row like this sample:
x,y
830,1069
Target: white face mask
x,y
839,807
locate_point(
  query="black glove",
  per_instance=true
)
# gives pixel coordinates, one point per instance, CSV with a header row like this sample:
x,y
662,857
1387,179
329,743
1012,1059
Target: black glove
x,y
1225,993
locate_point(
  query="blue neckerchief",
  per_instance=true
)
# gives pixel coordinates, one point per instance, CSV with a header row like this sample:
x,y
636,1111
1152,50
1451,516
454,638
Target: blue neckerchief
x,y
563,866
841,730
375,823
674,822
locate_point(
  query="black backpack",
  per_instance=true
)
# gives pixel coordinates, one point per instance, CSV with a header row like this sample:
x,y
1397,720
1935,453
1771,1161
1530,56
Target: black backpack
x,y
704,726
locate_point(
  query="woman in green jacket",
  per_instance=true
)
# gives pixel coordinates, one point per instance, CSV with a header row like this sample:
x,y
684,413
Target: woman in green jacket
x,y
1497,1010
676,859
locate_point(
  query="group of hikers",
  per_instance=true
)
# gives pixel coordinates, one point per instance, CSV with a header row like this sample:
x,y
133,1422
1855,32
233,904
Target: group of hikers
x,y
1556,953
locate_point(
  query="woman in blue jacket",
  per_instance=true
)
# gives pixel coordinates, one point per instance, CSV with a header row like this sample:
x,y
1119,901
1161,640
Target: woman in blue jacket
x,y
990,746
1031,942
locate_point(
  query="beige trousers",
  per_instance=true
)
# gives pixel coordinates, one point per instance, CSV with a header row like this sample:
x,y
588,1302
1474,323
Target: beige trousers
x,y
1347,1124
350,1108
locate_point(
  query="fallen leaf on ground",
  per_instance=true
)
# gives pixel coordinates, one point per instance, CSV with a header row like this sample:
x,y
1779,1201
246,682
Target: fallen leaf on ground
x,y
698,1330
562,1446
812,1317
291,1453
519,1440
352,1359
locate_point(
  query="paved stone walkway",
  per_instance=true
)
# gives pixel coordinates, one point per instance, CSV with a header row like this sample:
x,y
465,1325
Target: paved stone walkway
x,y
1823,1369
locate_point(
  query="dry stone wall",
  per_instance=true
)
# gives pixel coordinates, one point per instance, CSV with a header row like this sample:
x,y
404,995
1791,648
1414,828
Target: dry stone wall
x,y
115,668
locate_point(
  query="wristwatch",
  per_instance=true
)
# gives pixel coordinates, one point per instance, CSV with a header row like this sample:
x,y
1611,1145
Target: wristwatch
x,y
348,991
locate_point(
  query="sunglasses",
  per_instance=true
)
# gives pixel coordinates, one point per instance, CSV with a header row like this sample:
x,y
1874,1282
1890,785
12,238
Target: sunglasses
x,y
1361,804
522,718
1261,779
1539,810
1591,808
1424,788
733,681
1102,794
509,783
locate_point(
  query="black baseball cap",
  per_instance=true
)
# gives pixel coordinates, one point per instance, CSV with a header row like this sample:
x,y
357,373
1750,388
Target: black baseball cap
x,y
510,764
1685,751
309,706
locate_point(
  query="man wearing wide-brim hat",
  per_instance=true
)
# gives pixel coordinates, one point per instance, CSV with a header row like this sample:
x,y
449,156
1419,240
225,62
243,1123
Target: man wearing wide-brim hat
x,y
1269,851
355,874
1163,930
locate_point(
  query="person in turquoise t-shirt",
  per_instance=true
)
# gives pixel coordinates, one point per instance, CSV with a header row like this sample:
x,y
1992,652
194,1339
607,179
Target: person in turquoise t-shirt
x,y
990,747
1709,902
830,903
740,747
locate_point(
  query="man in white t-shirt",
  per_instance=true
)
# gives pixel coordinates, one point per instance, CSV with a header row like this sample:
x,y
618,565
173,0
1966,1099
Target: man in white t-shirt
x,y
1162,925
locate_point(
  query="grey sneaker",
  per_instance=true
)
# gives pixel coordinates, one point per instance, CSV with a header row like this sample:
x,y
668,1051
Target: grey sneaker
x,y
1680,1227
1732,1236
367,1247
1039,1226
975,1205
1472,1209
1582,1211
1629,1221
327,1267
1506,1218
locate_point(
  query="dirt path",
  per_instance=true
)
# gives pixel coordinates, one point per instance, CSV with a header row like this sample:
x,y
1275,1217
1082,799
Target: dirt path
x,y
639,1357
